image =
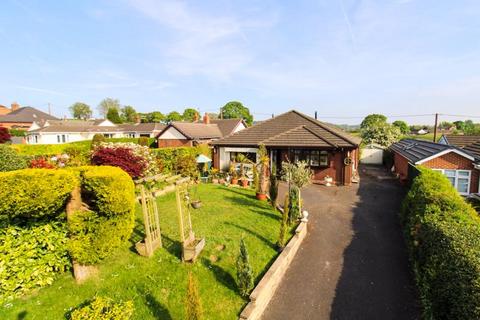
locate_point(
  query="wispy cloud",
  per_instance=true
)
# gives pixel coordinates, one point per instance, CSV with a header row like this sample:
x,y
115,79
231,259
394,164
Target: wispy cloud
x,y
41,90
347,22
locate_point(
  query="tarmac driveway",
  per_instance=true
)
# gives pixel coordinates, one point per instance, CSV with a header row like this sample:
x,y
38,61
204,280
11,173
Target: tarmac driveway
x,y
353,264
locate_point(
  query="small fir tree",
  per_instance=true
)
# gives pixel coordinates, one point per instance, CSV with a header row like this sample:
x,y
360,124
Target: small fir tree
x,y
244,271
98,139
282,239
256,181
294,204
273,186
193,304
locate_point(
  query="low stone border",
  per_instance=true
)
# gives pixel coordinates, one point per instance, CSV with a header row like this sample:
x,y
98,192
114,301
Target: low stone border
x,y
264,291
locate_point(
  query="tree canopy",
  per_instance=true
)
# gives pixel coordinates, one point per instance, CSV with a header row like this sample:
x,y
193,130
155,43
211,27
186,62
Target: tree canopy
x,y
107,104
373,120
80,110
129,114
402,125
236,110
113,115
189,114
174,116
155,116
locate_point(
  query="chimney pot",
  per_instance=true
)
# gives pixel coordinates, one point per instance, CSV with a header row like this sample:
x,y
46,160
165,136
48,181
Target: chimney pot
x,y
15,106
206,118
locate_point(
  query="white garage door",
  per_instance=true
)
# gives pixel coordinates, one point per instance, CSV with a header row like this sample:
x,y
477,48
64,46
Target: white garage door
x,y
372,156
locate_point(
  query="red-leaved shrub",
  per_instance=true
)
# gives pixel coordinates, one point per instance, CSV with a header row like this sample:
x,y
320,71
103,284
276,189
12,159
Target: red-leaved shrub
x,y
120,157
41,163
4,135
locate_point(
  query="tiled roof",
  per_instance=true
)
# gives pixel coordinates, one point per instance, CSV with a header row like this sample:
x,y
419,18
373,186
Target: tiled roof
x,y
291,129
474,148
461,140
26,114
90,126
226,126
418,150
197,130
142,127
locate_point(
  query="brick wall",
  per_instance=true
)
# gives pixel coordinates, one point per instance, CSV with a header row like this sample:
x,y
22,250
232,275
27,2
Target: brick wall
x,y
456,162
168,143
401,166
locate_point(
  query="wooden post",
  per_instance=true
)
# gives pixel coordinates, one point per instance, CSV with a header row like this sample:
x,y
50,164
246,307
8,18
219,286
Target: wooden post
x,y
435,128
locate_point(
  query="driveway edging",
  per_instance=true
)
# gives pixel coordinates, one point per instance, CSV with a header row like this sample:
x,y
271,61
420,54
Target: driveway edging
x,y
264,291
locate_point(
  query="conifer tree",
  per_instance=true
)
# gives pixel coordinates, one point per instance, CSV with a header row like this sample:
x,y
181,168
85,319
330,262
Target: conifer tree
x,y
273,186
244,271
282,240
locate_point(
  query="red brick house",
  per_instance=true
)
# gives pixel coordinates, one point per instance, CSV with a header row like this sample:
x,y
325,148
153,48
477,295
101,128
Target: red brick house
x,y
180,134
460,166
23,117
293,136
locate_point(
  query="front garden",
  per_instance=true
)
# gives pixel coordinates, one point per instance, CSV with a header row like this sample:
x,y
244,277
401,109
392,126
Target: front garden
x,y
157,285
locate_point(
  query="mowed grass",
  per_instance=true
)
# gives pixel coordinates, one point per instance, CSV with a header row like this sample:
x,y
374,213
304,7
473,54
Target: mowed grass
x,y
157,285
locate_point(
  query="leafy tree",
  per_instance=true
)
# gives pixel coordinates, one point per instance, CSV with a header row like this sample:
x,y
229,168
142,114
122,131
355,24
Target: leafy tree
x,y
193,306
189,114
460,125
445,125
383,134
236,110
113,115
4,135
373,120
155,116
80,110
174,116
402,125
244,271
107,104
469,127
129,114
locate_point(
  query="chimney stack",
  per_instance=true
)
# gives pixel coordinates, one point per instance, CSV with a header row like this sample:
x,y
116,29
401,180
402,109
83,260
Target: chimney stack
x,y
15,106
195,117
206,118
315,115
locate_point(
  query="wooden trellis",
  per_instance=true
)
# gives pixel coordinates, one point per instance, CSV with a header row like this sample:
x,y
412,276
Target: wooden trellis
x,y
191,246
153,237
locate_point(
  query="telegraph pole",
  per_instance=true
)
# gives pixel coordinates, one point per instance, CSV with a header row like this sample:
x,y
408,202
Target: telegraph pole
x,y
435,128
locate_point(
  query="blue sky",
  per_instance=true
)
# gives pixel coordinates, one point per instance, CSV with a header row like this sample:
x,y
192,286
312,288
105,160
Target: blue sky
x,y
343,58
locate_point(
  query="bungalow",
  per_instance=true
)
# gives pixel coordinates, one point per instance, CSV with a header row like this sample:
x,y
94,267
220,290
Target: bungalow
x,y
293,136
23,117
178,134
470,143
62,131
460,166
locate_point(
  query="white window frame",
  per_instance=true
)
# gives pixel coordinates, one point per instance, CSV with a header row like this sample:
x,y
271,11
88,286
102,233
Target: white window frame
x,y
456,179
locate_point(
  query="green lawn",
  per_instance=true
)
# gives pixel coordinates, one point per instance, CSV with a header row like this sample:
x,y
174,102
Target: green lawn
x,y
157,285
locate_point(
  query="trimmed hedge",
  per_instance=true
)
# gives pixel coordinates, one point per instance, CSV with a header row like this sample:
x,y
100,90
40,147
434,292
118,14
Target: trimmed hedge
x,y
35,193
110,193
31,257
443,238
10,159
178,160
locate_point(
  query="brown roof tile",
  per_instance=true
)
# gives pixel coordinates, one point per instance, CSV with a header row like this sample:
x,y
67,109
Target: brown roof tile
x,y
26,114
291,129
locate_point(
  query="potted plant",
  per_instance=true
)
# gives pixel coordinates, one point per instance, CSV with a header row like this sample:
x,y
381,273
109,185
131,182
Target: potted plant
x,y
195,202
214,174
233,174
328,181
263,173
221,178
243,176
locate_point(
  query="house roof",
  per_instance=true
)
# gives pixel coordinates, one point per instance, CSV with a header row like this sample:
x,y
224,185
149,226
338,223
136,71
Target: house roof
x,y
461,141
26,114
142,127
227,126
291,129
196,130
419,151
92,126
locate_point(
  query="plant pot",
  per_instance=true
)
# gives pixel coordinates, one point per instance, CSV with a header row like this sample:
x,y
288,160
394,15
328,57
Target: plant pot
x,y
196,204
234,181
215,181
221,181
244,183
261,196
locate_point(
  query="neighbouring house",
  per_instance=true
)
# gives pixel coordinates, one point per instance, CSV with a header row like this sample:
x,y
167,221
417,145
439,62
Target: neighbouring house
x,y
421,131
293,136
23,117
470,143
4,110
179,134
62,131
460,166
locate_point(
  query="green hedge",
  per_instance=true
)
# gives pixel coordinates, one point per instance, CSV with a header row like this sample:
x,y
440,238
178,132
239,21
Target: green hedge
x,y
178,160
55,149
443,237
31,257
35,193
10,159
110,193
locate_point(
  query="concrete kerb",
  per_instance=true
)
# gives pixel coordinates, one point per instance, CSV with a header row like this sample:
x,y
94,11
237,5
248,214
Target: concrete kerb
x,y
264,291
